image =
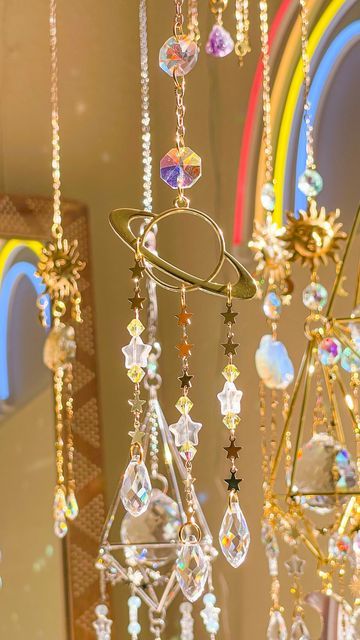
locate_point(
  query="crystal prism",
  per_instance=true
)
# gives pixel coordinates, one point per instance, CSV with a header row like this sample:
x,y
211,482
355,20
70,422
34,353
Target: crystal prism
x,y
310,183
299,630
136,488
60,526
220,42
178,53
234,536
272,306
277,628
72,507
273,364
180,168
192,569
315,296
329,351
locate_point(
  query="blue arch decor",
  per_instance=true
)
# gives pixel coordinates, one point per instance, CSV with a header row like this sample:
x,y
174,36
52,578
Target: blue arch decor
x,y
346,39
10,281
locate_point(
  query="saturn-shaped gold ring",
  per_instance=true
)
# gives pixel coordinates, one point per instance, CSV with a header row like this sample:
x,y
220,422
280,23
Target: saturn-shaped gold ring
x,y
121,220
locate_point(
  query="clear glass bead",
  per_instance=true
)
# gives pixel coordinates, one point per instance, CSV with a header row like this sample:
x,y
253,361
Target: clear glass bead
x,y
135,327
184,405
329,351
180,54
230,372
180,169
315,296
135,373
310,183
136,488
272,306
267,196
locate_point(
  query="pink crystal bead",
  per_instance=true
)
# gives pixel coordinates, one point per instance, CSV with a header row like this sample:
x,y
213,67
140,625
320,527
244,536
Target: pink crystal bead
x,y
220,42
180,169
178,53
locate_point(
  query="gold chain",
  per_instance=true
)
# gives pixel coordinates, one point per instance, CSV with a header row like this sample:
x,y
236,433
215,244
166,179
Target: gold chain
x,y
179,84
57,220
69,412
179,18
193,21
310,162
59,445
265,55
242,46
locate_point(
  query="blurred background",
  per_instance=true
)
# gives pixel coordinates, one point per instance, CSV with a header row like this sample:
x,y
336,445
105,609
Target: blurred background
x,y
101,167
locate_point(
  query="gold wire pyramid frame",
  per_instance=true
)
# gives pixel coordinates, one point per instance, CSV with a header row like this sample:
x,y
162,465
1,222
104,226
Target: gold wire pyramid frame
x,y
326,325
118,571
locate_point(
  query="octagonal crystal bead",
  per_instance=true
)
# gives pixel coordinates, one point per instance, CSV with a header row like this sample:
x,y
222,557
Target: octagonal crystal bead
x,y
310,183
180,168
178,53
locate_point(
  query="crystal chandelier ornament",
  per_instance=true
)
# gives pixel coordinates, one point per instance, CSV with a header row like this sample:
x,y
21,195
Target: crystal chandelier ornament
x,y
59,268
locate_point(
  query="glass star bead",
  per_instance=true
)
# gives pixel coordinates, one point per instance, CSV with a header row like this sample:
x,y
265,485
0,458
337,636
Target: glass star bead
x,y
135,327
349,360
231,372
180,168
188,451
180,54
272,306
329,351
310,183
267,196
184,405
231,421
185,431
315,296
136,352
220,42
230,399
136,374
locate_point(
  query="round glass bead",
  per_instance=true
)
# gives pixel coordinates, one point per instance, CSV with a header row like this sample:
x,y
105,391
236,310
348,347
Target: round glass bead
x,y
134,601
180,168
315,296
350,361
209,598
272,306
134,628
267,196
310,183
329,351
178,53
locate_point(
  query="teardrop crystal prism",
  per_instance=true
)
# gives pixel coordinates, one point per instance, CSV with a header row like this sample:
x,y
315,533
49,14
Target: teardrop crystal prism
x,y
192,569
72,507
234,535
136,488
299,630
60,526
277,627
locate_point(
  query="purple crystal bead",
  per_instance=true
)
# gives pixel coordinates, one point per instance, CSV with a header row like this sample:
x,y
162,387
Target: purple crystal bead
x,y
178,53
180,169
220,42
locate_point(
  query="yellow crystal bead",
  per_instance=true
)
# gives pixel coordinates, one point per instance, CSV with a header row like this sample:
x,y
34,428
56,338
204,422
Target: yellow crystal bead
x,y
231,372
184,405
135,327
136,373
231,420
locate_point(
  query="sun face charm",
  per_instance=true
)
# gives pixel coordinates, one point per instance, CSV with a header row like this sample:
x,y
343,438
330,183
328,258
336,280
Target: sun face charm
x,y
272,257
313,237
59,267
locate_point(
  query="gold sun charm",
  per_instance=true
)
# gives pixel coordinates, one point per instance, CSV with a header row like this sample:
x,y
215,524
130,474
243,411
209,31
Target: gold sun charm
x,y
59,267
271,255
313,237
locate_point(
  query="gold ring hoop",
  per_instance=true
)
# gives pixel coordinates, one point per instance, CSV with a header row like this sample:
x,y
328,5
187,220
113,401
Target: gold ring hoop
x,y
120,221
184,531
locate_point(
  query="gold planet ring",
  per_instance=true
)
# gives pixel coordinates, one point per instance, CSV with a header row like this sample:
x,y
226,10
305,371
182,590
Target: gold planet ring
x,y
121,220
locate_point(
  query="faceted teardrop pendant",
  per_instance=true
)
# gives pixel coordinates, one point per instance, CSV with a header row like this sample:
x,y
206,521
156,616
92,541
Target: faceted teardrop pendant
x,y
60,526
299,630
136,488
277,627
72,507
192,569
234,535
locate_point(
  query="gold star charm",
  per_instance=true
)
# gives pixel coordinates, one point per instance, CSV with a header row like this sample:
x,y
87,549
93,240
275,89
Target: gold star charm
x,y
233,482
188,482
184,317
136,301
136,404
232,451
136,436
355,586
184,349
185,380
137,271
229,316
230,347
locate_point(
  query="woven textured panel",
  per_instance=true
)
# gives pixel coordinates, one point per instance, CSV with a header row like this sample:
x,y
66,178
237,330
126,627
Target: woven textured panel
x,y
30,217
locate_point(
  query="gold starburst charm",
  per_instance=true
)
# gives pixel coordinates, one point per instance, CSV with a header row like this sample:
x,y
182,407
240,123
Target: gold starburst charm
x,y
59,267
313,237
271,255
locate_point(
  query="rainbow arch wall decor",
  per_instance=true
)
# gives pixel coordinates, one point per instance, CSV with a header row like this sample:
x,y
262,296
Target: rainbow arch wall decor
x,y
286,101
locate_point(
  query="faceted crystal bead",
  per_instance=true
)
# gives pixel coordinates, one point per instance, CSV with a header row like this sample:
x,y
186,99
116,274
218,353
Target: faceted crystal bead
x,y
231,421
310,183
329,351
315,296
135,327
60,526
230,399
60,501
234,536
188,451
184,405
339,546
60,346
273,364
136,488
185,430
192,569
180,168
72,507
136,373
277,627
272,306
178,53
349,360
136,352
220,42
299,630
267,196
231,372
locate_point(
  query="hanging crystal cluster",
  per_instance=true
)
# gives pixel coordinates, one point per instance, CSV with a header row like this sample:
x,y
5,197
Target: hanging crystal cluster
x,y
220,43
